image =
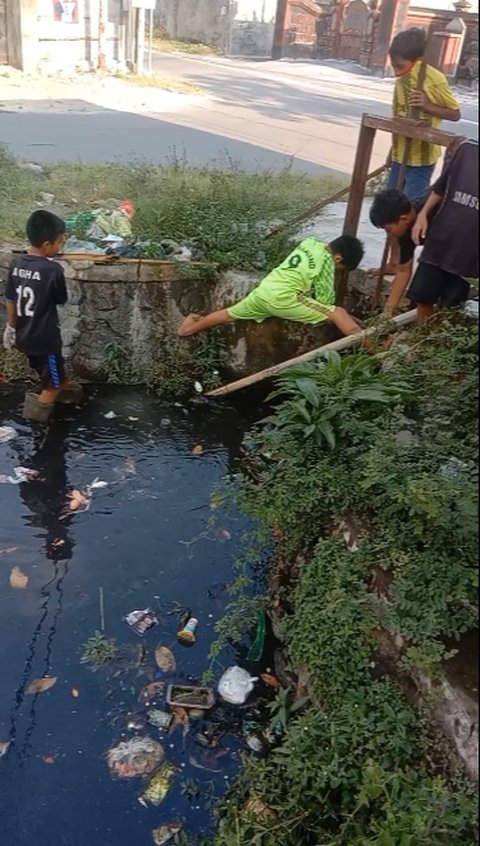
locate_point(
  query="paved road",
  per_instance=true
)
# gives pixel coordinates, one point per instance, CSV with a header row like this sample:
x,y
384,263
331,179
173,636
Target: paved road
x,y
260,114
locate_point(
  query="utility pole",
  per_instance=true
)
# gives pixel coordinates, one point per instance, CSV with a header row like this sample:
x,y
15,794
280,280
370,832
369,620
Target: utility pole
x,y
102,59
141,40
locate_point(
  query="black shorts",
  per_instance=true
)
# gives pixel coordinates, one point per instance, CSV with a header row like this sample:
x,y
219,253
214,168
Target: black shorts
x,y
50,368
431,285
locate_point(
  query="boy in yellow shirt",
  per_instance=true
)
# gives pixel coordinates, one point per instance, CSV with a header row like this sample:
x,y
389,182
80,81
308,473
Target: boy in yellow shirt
x,y
436,102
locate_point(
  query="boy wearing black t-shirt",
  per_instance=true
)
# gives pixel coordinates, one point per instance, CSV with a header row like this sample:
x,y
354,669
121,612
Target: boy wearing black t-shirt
x,y
35,287
446,223
393,211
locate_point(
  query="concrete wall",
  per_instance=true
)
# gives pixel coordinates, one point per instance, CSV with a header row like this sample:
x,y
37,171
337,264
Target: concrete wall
x,y
74,41
41,33
252,24
239,27
194,20
127,304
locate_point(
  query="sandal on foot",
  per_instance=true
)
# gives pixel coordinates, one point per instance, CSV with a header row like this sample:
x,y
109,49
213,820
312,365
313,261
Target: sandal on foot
x,y
36,411
71,395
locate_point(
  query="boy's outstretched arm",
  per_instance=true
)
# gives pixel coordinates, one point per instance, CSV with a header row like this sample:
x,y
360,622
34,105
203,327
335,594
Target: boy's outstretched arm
x,y
195,323
344,321
400,283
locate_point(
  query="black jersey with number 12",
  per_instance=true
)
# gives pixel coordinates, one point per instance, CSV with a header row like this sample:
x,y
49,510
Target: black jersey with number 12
x,y
37,286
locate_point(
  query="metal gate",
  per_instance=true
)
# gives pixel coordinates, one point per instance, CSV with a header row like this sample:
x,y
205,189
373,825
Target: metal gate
x,y
353,30
3,32
350,45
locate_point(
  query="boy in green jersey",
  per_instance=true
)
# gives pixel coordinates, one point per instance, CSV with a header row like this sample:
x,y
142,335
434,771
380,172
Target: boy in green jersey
x,y
301,289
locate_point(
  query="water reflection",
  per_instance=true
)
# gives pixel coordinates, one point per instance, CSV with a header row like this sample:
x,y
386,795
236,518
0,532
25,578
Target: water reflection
x,y
44,500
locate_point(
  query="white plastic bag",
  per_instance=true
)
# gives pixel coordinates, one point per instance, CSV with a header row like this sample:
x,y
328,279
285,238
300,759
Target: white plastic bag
x,y
236,685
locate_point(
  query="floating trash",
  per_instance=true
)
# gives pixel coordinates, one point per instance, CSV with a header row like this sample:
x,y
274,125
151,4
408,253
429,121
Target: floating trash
x,y
159,719
453,468
159,785
7,433
255,744
20,474
187,634
165,833
141,621
150,692
136,757
236,685
190,696
165,659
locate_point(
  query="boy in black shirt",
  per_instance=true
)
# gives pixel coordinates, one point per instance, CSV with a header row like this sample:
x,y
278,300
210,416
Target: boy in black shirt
x,y
35,287
393,211
447,224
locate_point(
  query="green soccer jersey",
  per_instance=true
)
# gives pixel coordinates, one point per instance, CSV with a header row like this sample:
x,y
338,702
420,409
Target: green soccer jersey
x,y
295,289
309,270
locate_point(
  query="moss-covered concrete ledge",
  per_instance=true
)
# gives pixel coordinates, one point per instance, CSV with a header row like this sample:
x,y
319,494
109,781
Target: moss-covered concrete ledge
x,y
137,306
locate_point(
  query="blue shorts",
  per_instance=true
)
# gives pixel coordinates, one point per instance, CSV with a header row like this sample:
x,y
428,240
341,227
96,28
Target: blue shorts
x,y
417,179
50,368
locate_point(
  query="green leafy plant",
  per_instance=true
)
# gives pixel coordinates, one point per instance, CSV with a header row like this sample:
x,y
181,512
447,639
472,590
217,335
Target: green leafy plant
x,y
99,649
116,366
284,707
320,397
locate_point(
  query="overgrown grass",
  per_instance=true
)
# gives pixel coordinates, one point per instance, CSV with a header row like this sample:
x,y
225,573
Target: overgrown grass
x,y
165,44
361,767
221,209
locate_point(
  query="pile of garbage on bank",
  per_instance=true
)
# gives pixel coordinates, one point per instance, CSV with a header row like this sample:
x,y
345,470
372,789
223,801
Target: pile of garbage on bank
x,y
108,230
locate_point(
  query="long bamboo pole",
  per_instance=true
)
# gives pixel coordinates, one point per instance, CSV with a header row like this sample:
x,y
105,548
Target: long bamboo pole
x,y
342,344
313,210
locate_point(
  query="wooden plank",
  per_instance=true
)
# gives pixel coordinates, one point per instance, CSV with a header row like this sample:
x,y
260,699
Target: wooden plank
x,y
410,128
359,177
342,344
102,258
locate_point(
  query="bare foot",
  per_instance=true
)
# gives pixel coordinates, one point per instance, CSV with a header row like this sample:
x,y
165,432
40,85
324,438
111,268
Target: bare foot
x,y
188,326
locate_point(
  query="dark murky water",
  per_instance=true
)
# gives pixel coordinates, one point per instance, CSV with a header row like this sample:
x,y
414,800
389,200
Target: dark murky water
x,y
145,536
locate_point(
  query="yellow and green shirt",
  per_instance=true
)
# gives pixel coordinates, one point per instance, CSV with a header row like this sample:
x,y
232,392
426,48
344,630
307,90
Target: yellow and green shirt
x,y
438,92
